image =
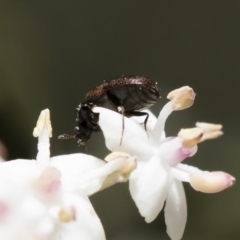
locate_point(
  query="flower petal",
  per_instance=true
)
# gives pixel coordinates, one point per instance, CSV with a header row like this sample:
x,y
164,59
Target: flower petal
x,y
73,166
149,185
116,170
135,140
88,173
20,171
176,210
83,222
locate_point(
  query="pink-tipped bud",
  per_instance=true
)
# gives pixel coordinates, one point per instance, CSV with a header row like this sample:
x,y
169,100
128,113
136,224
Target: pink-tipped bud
x,y
210,130
43,121
211,182
190,136
182,98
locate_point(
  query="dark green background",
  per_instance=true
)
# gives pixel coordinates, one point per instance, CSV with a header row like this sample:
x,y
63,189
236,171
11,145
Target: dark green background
x,y
53,52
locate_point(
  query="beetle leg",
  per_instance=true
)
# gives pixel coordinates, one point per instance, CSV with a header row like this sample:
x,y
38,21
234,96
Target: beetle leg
x,y
122,111
138,114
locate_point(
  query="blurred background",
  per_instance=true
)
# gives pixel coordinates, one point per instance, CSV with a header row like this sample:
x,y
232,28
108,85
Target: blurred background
x,y
53,52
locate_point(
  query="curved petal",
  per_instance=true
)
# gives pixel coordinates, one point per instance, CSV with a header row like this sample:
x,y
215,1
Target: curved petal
x,y
149,185
176,211
135,140
84,223
109,174
73,166
20,171
79,162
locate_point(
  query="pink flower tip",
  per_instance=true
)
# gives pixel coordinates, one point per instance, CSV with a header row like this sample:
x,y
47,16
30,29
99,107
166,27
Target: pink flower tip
x,y
211,182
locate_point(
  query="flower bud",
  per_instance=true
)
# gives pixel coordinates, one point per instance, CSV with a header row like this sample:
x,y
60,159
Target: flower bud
x,y
211,182
182,98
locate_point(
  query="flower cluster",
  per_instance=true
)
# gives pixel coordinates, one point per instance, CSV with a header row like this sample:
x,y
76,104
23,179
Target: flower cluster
x,y
160,171
47,198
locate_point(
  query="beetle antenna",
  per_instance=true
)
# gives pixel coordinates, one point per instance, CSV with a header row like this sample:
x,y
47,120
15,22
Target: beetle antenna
x,y
66,136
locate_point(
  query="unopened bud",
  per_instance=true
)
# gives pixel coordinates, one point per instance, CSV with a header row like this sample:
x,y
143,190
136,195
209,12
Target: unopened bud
x,y
182,98
211,182
190,136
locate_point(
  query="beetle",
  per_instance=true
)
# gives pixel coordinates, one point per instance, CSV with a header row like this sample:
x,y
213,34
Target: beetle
x,y
127,95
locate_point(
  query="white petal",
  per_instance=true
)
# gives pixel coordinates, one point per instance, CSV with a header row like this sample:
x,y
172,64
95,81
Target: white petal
x,y
176,210
149,185
94,180
135,140
87,173
86,224
73,166
20,171
79,162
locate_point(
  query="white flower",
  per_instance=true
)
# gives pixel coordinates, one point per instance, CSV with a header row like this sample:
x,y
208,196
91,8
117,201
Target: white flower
x,y
157,178
47,198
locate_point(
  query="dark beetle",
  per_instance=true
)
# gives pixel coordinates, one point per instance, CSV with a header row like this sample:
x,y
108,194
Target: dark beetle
x,y
126,95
